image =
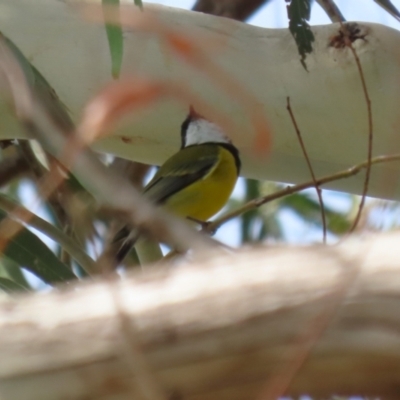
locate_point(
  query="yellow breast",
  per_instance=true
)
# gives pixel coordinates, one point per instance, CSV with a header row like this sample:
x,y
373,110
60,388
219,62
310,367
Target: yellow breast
x,y
205,197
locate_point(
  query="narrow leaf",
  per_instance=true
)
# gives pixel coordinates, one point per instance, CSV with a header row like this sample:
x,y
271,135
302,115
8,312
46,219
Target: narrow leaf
x,y
299,12
14,272
29,252
139,4
115,39
9,286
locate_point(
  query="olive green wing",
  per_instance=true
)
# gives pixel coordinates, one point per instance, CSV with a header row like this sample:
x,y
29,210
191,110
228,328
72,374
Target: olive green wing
x,y
181,170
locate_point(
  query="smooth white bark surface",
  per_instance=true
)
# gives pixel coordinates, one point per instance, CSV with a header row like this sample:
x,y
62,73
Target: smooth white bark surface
x,y
328,101
220,328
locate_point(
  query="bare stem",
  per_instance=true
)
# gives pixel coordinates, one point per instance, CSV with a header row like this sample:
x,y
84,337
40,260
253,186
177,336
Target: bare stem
x,y
304,150
370,126
331,10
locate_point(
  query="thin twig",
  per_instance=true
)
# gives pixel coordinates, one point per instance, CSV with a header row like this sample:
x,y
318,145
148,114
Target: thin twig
x,y
214,225
349,44
331,10
304,150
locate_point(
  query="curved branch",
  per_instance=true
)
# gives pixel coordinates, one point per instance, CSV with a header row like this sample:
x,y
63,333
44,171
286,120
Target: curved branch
x,y
332,115
222,328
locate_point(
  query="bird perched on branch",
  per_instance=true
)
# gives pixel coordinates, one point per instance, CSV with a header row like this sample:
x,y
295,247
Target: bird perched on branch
x,y
195,183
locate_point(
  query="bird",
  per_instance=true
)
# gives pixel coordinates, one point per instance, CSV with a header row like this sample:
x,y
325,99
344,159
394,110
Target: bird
x,y
195,182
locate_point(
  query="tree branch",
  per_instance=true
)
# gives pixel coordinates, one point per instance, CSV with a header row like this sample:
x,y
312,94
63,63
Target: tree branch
x,y
216,329
331,10
312,173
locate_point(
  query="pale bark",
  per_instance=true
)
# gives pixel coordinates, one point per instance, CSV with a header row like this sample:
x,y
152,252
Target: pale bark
x,y
234,9
327,100
221,328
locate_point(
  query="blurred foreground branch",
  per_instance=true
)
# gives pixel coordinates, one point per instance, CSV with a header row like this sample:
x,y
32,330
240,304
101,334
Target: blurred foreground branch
x,y
220,329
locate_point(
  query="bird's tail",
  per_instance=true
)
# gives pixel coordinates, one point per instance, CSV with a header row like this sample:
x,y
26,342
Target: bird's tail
x,y
119,248
123,241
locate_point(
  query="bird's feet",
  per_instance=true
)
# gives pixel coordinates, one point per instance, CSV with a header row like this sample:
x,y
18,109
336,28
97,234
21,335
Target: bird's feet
x,y
205,225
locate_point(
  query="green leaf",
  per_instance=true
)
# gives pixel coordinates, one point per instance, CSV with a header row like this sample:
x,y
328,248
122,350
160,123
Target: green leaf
x,y
14,272
29,252
139,4
299,12
115,40
9,286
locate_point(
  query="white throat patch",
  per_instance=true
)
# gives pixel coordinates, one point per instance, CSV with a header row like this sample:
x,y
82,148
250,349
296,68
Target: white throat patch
x,y
202,131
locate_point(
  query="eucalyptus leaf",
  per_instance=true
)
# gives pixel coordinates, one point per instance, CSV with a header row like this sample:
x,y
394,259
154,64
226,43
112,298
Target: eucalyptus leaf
x,y
9,286
14,272
299,12
29,252
115,41
139,4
